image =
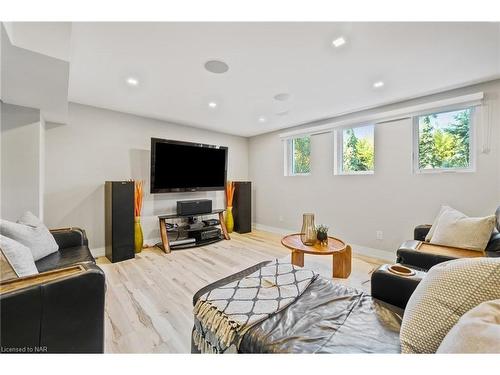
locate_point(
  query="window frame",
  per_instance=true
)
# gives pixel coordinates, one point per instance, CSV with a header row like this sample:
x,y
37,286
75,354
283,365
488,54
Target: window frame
x,y
416,140
339,151
289,157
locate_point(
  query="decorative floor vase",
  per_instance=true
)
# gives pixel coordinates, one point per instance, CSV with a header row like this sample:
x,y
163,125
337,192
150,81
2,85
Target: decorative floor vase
x,y
308,232
139,239
229,220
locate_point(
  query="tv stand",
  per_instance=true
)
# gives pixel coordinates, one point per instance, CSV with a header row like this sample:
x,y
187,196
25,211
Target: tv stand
x,y
164,231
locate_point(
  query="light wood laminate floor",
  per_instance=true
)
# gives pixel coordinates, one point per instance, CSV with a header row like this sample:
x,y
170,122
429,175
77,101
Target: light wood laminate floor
x,y
149,298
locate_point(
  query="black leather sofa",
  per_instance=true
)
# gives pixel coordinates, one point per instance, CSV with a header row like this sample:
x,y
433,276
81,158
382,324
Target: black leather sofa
x,y
422,260
397,290
61,310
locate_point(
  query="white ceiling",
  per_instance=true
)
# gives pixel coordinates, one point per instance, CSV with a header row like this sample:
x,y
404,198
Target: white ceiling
x,y
269,58
48,38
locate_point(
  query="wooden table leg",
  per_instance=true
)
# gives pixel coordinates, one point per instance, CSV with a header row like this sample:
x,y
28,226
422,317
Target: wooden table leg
x,y
164,236
223,226
298,258
342,263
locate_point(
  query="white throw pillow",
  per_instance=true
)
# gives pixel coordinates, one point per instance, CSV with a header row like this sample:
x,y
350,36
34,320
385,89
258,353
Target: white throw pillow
x,y
447,292
428,237
455,229
18,256
32,233
477,331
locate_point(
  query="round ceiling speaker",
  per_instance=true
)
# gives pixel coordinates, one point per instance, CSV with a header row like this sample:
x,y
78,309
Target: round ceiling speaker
x,y
284,96
216,66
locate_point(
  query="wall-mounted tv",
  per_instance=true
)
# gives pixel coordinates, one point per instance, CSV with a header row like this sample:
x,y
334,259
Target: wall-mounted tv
x,y
184,166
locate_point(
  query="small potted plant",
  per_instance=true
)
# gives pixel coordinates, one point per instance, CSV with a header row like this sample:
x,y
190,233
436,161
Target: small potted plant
x,y
322,234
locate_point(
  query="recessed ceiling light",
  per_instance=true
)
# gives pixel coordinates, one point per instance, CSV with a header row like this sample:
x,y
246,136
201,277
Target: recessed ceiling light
x,y
378,84
340,41
262,119
212,104
216,66
132,81
283,96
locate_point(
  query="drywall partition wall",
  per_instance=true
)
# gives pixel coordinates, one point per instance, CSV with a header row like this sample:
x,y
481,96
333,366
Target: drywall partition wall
x,y
98,145
393,200
34,80
21,150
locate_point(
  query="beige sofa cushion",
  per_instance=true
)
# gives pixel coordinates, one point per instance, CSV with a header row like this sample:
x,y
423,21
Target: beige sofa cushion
x,y
6,270
448,291
18,256
457,230
478,331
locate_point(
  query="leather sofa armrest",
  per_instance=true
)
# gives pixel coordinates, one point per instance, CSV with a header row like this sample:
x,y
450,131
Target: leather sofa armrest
x,y
18,284
70,237
73,313
421,231
64,311
409,255
394,289
494,245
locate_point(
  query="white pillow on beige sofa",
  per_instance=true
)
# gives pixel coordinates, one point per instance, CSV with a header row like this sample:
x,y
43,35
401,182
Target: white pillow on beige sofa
x,y
456,229
477,331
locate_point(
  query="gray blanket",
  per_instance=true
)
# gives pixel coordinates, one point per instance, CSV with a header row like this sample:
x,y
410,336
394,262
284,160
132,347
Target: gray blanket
x,y
225,313
327,318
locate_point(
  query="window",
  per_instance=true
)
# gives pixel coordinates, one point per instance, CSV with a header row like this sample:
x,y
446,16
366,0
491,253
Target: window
x,y
443,141
298,156
356,150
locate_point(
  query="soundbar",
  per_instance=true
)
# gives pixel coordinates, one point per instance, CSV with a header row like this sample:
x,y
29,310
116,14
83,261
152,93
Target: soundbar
x,y
194,207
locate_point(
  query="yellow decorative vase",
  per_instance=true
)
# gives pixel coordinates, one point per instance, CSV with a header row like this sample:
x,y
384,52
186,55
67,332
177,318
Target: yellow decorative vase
x,y
229,220
139,239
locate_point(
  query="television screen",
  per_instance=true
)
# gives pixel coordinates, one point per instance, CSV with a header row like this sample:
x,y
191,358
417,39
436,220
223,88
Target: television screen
x,y
183,166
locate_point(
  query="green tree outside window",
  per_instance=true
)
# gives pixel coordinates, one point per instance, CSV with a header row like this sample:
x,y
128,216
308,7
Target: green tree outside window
x,y
358,153
301,154
444,140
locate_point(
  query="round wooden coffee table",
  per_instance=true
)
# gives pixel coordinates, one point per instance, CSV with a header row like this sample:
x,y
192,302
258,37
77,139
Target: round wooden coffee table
x,y
341,252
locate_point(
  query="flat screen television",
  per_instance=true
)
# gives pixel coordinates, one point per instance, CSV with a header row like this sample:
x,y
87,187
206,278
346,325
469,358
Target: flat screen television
x,y
184,166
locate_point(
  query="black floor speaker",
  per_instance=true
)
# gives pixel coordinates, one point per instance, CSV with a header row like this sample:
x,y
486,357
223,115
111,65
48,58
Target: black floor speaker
x,y
242,206
119,220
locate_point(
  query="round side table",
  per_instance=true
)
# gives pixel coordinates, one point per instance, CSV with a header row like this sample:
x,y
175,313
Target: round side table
x,y
338,249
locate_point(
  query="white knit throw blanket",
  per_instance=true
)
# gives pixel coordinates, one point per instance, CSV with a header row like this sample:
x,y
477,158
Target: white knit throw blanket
x,y
227,312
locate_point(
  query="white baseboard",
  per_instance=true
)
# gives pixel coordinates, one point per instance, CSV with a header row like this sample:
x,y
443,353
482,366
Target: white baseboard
x,y
371,252
385,255
101,251
267,228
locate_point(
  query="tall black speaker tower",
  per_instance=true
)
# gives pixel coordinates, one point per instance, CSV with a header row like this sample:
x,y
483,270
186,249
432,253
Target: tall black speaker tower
x,y
242,206
119,220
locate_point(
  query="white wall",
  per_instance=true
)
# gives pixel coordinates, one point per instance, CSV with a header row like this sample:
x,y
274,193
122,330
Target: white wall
x,y
21,170
97,145
392,200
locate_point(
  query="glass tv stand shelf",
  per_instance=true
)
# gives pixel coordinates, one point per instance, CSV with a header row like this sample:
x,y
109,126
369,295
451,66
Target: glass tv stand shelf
x,y
164,232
